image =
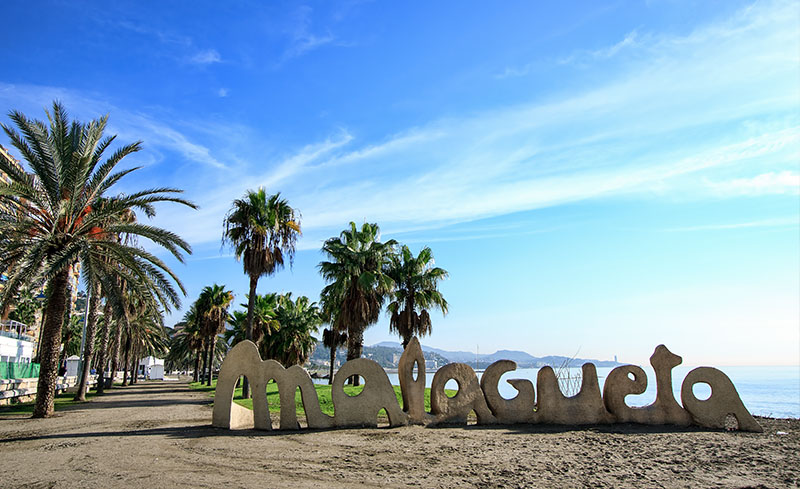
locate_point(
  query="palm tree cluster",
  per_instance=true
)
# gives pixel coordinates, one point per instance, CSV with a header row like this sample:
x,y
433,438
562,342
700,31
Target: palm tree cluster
x,y
362,273
282,329
60,213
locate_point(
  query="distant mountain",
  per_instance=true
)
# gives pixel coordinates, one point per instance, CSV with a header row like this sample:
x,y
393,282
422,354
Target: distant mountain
x,y
523,359
387,354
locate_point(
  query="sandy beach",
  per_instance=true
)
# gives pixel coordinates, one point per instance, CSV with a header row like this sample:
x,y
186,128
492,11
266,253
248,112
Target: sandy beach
x,y
158,434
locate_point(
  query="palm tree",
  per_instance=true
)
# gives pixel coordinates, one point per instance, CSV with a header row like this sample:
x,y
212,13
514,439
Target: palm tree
x,y
416,281
333,339
264,322
237,320
50,218
293,343
263,231
105,330
357,286
186,342
212,306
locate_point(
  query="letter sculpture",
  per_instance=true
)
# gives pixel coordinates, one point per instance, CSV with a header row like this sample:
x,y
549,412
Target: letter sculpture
x,y
722,410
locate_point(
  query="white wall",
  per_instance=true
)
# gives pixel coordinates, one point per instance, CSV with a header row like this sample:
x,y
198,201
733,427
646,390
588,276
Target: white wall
x,y
15,349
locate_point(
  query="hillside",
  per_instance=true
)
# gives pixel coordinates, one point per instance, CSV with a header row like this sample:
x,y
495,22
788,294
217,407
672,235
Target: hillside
x,y
523,359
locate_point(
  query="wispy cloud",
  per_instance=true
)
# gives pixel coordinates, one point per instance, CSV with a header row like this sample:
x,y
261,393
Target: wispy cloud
x,y
513,72
783,182
222,92
663,124
128,125
717,105
630,41
765,223
206,57
302,37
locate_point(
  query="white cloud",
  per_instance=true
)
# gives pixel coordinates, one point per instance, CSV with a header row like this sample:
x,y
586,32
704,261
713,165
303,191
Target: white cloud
x,y
784,182
302,38
768,223
678,112
206,57
129,126
722,97
222,92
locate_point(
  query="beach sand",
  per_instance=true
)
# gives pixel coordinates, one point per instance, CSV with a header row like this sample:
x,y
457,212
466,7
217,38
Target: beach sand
x,y
158,435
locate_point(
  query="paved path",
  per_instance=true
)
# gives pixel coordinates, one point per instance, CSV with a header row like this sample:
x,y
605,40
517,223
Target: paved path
x,y
158,434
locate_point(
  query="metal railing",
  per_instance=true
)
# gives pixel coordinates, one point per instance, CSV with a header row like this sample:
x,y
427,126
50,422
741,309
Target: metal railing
x,y
16,330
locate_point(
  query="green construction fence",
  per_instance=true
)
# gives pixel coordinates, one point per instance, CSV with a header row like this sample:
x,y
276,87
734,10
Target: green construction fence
x,y
11,370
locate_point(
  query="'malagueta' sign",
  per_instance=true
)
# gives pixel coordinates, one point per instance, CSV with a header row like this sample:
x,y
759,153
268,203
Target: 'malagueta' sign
x,y
723,409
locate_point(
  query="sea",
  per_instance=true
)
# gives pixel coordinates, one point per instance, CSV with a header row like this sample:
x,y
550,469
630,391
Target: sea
x,y
765,391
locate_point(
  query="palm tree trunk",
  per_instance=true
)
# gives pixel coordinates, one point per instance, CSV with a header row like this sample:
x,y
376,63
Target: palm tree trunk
x,y
51,340
115,348
202,354
101,354
41,333
334,333
251,303
88,347
210,361
409,317
196,375
134,367
125,362
355,346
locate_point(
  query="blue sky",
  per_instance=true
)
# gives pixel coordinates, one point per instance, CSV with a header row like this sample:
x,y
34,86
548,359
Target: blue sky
x,y
597,179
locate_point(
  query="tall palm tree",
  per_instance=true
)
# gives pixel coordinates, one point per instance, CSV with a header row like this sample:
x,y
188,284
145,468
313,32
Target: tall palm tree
x,y
415,288
263,232
212,306
357,286
50,218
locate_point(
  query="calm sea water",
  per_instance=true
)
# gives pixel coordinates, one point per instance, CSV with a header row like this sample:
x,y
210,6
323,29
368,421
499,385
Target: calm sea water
x,y
765,391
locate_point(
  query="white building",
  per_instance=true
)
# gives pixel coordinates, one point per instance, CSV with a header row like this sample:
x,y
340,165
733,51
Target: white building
x,y
151,368
16,345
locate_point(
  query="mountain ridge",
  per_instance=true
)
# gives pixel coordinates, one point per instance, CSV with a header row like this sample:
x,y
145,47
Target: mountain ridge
x,y
522,358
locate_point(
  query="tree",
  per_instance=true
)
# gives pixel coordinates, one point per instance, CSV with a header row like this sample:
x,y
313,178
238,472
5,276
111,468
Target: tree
x,y
264,322
25,308
416,281
263,232
333,339
49,219
102,348
357,286
212,307
186,342
292,343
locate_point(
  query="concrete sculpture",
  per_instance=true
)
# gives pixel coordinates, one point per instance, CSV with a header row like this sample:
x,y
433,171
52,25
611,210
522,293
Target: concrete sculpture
x,y
520,409
722,410
723,403
413,389
584,408
665,409
468,398
362,409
